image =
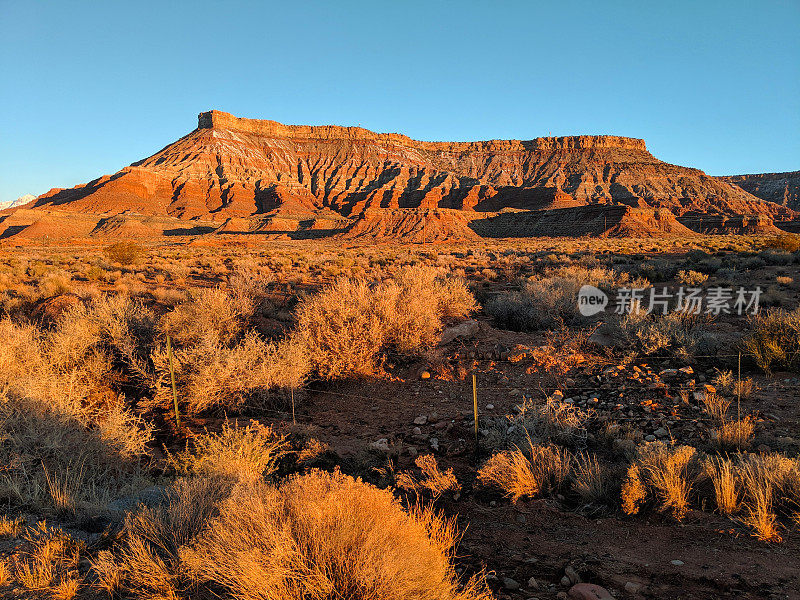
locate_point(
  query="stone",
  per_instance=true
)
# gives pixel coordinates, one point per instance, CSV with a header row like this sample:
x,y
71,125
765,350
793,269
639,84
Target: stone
x,y
570,572
510,584
416,431
589,591
490,407
633,587
421,420
382,445
565,581
661,433
650,438
677,563
466,330
533,584
150,497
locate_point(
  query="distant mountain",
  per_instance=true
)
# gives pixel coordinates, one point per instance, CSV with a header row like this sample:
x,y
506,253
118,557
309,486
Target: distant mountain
x,y
780,188
18,202
330,178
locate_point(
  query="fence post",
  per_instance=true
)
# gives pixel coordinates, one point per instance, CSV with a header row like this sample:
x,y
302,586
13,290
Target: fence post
x,y
475,408
739,390
174,389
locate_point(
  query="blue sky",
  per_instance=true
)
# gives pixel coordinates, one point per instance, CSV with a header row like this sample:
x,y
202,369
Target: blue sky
x,y
89,87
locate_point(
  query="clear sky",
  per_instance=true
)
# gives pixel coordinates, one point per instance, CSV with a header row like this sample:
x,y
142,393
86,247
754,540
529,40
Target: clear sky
x,y
86,88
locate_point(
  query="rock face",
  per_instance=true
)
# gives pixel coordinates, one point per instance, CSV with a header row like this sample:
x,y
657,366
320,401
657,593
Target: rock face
x,y
319,178
780,188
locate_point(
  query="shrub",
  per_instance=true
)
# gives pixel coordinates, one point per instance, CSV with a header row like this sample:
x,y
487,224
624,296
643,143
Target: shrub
x,y
432,481
346,325
527,474
774,340
546,302
240,453
676,333
325,535
147,564
667,471
786,242
692,277
124,253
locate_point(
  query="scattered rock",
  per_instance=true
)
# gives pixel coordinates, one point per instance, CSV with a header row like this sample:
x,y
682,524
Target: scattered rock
x,y
572,574
510,584
632,587
151,496
465,330
382,445
589,591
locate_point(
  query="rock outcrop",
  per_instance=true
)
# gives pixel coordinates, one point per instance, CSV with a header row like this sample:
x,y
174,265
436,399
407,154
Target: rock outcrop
x,y
231,168
781,188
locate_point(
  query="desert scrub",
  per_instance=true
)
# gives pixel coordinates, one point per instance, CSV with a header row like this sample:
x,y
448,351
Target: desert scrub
x,y
431,481
678,333
664,471
124,253
774,340
246,453
345,326
317,535
545,302
544,421
531,472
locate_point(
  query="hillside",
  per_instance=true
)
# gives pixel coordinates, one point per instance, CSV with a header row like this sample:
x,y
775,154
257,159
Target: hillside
x,y
233,168
781,188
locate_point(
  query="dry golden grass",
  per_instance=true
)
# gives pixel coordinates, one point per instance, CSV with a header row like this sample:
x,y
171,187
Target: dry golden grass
x,y
527,474
327,535
759,480
634,491
432,480
735,434
591,479
239,453
50,558
147,564
716,406
343,328
724,478
668,471
10,528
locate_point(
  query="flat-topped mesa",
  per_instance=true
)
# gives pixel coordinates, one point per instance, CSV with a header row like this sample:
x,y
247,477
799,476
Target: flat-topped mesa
x,y
216,119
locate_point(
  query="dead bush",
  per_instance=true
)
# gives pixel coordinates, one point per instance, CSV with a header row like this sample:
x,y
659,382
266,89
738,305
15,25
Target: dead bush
x,y
124,253
432,481
325,535
346,325
239,453
537,470
774,340
666,471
